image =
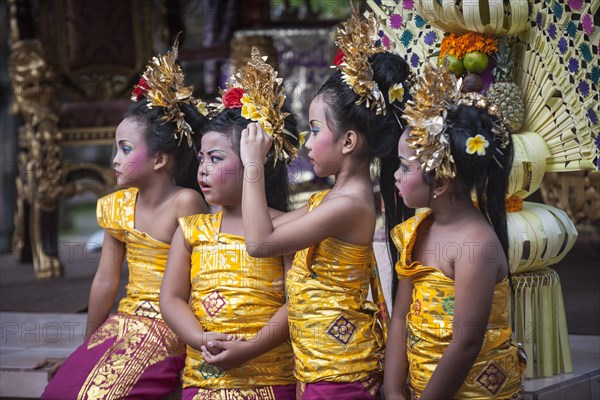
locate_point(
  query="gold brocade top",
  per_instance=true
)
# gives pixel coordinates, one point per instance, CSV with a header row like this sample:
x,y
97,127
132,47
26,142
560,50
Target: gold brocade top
x,y
498,370
337,334
233,293
146,256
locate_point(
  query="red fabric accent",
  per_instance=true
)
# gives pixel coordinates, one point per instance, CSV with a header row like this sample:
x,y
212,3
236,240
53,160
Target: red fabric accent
x,y
232,98
339,58
140,89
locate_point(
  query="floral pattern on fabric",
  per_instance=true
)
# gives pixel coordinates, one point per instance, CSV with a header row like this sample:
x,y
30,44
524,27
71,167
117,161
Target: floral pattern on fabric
x,y
492,378
213,303
342,330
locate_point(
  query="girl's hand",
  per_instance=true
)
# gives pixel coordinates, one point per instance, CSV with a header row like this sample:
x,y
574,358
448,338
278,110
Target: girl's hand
x,y
205,337
227,355
254,145
52,363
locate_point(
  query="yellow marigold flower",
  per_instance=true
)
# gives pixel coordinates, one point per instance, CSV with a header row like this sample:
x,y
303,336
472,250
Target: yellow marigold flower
x,y
396,92
477,144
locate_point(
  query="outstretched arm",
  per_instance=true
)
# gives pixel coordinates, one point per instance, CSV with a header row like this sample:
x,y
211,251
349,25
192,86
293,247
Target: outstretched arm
x,y
474,282
336,217
105,283
175,294
396,360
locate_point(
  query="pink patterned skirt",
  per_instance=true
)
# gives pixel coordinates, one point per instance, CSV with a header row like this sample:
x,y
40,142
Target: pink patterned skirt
x,y
128,357
366,389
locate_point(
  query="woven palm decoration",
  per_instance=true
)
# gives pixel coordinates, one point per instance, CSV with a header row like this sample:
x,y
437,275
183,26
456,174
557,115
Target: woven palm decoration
x,y
407,33
542,332
556,62
559,72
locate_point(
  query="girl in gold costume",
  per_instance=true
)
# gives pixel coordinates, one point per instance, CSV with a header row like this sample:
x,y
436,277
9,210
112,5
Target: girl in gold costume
x,y
337,334
134,354
226,305
450,333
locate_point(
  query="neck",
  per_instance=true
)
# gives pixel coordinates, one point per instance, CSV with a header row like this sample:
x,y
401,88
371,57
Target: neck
x,y
353,173
234,211
450,209
154,194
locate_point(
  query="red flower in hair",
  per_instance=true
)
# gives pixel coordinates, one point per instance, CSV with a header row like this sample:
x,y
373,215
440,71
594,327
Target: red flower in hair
x,y
140,90
232,98
339,58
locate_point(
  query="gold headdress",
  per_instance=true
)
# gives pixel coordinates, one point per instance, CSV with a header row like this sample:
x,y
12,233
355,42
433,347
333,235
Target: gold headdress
x,y
438,91
357,39
257,89
162,84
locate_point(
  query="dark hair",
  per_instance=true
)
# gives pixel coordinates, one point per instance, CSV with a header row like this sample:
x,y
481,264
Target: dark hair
x,y
381,131
230,123
160,136
487,174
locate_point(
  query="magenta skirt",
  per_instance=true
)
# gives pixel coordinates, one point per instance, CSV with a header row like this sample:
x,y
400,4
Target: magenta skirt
x,y
128,357
280,392
366,389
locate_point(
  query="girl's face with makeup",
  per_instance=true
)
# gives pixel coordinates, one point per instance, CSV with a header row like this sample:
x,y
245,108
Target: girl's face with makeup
x,y
220,172
132,161
321,144
409,178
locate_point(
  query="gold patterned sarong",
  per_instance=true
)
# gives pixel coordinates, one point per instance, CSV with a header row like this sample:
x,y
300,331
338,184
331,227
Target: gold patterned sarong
x,y
134,351
337,334
136,344
233,293
498,371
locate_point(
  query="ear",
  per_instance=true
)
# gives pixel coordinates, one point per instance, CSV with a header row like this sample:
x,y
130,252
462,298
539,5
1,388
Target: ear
x,y
160,160
350,142
440,186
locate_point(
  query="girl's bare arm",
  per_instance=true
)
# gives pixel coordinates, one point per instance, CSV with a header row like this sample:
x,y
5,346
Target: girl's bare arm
x,y
396,360
474,281
105,283
175,294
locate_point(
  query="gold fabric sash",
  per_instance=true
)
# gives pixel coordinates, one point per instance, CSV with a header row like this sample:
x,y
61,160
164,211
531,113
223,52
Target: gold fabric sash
x,y
233,293
331,321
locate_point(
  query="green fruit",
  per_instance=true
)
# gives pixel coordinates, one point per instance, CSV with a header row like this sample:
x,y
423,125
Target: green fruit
x,y
475,61
454,65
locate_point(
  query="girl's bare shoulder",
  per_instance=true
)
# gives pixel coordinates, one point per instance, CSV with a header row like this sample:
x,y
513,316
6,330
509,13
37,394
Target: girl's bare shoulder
x,y
188,201
352,203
